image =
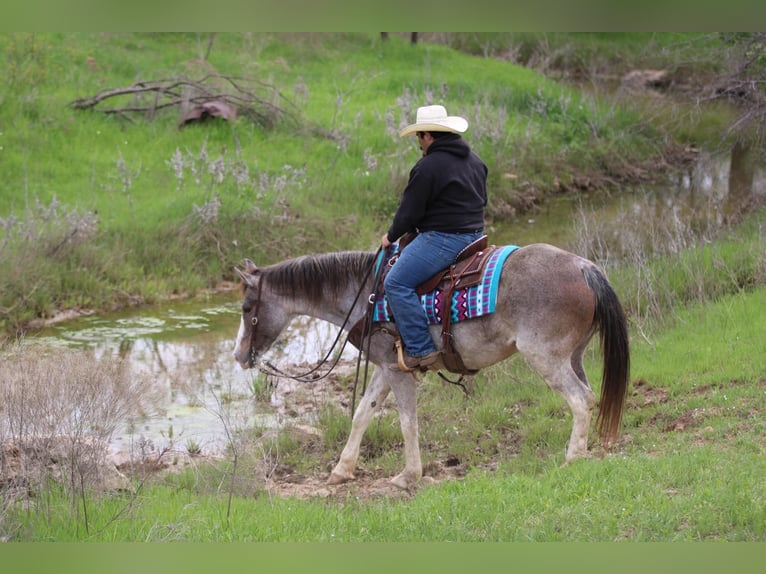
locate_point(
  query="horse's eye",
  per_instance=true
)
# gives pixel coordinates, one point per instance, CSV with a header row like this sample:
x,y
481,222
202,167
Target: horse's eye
x,y
246,309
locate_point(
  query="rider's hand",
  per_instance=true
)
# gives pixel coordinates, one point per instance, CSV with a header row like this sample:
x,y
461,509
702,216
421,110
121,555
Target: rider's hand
x,y
384,242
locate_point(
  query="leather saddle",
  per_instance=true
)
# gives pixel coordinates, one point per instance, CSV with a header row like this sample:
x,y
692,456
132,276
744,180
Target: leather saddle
x,y
466,271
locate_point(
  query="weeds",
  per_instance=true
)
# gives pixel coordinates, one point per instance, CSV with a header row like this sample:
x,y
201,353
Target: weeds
x,y
193,447
663,260
51,232
58,410
262,387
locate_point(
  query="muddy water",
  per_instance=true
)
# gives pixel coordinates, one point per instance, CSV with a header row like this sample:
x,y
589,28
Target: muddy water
x,y
185,347
709,192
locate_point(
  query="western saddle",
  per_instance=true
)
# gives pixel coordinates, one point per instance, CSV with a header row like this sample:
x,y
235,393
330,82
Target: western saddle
x,y
466,271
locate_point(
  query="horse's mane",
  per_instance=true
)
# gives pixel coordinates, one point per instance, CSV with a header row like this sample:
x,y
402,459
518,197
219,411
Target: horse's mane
x,y
311,276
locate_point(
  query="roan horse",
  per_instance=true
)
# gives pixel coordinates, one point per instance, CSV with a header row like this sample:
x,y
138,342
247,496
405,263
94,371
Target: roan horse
x,y
549,304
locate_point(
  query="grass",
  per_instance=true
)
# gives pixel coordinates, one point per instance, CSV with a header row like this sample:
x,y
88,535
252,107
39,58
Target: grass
x,y
689,467
680,497
214,194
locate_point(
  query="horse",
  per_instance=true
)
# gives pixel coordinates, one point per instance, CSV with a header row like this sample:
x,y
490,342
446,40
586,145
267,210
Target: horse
x,y
550,303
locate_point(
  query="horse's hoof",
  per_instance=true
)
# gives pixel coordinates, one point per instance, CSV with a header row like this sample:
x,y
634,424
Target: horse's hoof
x,y
336,478
404,482
572,458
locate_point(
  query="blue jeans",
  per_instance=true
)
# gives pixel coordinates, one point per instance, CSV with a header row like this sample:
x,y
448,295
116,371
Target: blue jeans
x,y
429,253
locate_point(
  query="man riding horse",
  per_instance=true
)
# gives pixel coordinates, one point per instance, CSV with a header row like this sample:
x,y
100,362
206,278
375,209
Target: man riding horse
x,y
444,203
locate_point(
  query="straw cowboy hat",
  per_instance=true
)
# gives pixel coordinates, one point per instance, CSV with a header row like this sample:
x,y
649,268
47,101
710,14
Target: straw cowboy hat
x,y
435,119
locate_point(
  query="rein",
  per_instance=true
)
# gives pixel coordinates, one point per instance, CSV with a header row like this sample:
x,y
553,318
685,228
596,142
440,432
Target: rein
x,y
364,346
311,374
367,330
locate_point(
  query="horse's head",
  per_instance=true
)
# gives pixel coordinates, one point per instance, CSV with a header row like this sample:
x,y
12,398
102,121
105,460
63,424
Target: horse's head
x,y
261,321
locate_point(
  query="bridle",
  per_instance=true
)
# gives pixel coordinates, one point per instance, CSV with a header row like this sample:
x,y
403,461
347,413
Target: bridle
x,y
312,374
254,324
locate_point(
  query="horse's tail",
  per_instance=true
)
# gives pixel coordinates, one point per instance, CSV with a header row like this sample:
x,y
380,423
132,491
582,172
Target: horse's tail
x,y
610,320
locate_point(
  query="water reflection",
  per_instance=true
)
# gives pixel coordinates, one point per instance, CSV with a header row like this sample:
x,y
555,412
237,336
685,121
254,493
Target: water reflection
x,y
185,350
694,205
730,183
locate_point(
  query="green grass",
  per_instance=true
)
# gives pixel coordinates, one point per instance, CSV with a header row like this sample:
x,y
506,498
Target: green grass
x,y
690,465
685,496
328,181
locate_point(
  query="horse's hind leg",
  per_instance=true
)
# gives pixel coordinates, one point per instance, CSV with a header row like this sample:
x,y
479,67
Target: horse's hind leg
x,y
567,376
373,398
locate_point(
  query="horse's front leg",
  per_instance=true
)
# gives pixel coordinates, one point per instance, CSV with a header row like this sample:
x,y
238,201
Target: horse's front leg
x,y
404,386
371,401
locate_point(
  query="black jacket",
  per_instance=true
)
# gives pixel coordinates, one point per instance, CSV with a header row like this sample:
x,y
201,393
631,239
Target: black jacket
x,y
447,191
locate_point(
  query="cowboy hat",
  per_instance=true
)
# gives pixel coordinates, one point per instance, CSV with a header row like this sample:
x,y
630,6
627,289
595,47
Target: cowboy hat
x,y
435,119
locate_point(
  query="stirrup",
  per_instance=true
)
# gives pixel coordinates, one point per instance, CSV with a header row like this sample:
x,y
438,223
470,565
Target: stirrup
x,y
400,357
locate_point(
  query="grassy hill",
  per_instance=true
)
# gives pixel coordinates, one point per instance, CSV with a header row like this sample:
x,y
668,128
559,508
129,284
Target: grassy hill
x,y
103,209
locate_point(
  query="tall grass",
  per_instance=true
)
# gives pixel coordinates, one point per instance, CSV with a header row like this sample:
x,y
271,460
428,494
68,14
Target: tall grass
x,y
661,261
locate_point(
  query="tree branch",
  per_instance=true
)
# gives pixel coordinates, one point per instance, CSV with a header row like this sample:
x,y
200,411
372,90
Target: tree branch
x,y
250,98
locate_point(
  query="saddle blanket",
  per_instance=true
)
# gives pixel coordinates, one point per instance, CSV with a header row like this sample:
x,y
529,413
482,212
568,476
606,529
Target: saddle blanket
x,y
467,303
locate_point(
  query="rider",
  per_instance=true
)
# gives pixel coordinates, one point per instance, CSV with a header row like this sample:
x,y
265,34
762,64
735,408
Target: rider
x,y
444,202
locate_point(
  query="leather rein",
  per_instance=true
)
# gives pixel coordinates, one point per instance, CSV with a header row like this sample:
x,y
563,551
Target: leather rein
x,y
312,375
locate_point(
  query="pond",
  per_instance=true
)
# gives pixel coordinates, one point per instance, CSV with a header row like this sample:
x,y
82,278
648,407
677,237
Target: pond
x,y
185,346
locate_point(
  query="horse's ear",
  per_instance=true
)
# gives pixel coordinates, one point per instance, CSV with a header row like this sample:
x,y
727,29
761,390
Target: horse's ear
x,y
246,277
250,266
